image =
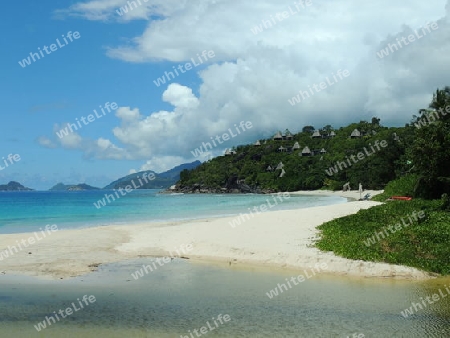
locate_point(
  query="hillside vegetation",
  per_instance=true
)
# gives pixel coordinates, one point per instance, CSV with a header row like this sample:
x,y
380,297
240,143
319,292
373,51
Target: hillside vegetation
x,y
250,163
420,147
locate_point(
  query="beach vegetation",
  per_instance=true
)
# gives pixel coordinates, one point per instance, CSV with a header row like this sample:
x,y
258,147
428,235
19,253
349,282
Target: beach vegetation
x,y
422,244
403,186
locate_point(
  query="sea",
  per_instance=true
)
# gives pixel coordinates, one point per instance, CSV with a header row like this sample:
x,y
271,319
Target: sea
x,y
186,298
30,210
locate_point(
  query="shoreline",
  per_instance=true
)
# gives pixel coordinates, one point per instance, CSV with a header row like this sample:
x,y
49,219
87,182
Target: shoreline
x,y
280,239
352,195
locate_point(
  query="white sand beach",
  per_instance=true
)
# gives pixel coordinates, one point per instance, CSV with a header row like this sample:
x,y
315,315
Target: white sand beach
x,y
273,239
353,194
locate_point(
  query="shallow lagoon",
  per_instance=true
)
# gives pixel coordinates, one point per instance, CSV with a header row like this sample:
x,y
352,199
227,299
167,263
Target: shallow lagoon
x,y
184,295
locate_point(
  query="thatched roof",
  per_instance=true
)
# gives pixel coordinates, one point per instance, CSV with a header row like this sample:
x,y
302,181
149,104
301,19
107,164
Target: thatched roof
x,y
257,143
296,146
306,151
355,133
278,136
316,134
282,173
288,135
332,134
229,152
280,166
323,151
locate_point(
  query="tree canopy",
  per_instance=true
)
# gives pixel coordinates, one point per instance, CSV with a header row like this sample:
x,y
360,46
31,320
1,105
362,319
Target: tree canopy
x,y
430,150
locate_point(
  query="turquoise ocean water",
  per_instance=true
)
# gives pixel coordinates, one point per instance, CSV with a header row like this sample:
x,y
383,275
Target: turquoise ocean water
x,y
28,211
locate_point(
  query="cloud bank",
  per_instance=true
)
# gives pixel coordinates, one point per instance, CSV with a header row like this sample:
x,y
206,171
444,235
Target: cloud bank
x,y
252,75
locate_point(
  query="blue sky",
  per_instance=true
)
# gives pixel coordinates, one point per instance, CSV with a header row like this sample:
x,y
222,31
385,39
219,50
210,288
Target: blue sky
x,y
67,84
116,59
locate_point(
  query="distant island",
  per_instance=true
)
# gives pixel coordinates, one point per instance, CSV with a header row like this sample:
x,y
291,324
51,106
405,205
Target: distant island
x,y
154,181
72,187
14,186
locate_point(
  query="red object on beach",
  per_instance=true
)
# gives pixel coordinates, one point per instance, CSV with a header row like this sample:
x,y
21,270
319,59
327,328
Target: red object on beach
x,y
401,198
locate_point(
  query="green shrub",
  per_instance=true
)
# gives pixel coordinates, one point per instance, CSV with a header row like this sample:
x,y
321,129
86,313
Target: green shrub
x,y
403,186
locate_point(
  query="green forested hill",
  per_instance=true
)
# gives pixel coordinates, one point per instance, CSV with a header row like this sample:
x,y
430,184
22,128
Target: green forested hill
x,y
405,152
249,164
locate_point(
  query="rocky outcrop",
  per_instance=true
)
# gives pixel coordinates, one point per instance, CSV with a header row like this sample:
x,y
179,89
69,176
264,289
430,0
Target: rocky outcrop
x,y
233,186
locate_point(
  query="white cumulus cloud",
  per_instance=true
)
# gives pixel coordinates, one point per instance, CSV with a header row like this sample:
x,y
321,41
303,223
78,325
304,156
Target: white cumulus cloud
x,y
253,75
